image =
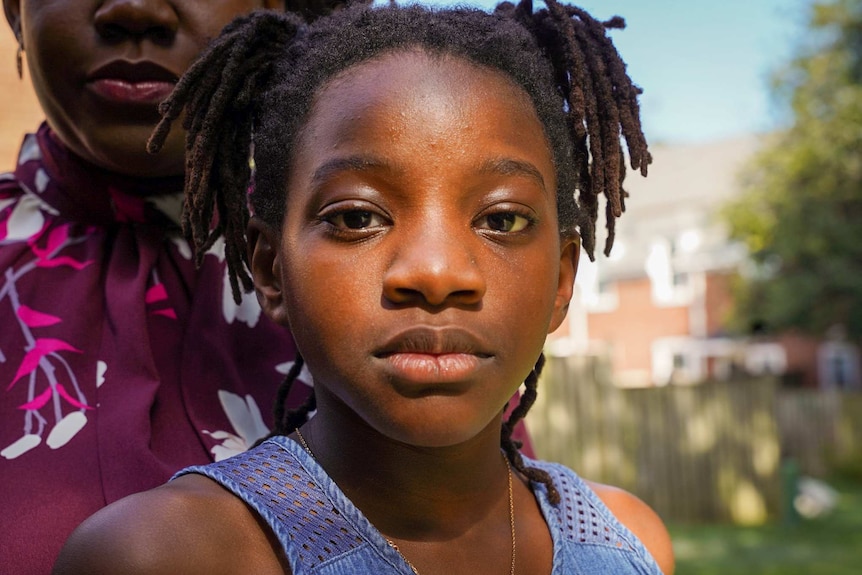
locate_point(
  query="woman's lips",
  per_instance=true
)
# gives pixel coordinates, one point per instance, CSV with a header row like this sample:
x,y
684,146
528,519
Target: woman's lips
x,y
147,92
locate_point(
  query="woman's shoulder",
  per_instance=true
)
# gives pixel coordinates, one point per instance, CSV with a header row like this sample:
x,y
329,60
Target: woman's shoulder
x,y
188,526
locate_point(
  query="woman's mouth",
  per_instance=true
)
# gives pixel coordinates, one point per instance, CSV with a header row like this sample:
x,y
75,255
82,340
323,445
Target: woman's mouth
x,y
141,83
149,92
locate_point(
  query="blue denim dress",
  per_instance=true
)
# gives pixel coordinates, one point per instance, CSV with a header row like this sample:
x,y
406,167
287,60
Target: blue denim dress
x,y
323,533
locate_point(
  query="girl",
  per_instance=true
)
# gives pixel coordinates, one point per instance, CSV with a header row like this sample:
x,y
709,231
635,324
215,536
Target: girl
x,y
422,180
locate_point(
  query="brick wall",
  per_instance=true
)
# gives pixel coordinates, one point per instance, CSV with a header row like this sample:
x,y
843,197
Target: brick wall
x,y
719,302
801,358
635,324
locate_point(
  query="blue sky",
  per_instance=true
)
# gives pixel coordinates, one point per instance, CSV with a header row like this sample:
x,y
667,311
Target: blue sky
x,y
704,65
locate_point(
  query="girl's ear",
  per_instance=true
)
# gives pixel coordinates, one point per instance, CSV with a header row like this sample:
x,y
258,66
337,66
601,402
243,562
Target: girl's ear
x,y
265,261
570,251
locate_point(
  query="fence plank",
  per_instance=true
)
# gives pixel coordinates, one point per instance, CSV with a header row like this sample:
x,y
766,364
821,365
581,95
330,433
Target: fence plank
x,y
821,430
708,452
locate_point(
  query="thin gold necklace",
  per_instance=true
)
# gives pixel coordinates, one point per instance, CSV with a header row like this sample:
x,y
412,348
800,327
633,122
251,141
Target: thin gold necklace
x,y
394,546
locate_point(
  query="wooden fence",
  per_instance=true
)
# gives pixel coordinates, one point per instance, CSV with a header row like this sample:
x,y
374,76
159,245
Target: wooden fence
x,y
821,430
709,452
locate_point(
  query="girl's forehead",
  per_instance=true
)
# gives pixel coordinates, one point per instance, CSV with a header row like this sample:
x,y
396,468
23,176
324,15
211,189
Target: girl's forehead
x,y
416,77
418,116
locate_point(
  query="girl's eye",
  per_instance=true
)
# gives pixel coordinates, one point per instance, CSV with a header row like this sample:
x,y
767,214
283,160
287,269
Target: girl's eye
x,y
508,222
355,220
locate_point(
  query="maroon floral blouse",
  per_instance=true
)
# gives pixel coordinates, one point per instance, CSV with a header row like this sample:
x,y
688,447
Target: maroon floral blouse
x,y
120,362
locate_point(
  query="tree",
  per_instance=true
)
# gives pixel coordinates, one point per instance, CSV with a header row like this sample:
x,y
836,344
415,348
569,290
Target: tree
x,y
800,213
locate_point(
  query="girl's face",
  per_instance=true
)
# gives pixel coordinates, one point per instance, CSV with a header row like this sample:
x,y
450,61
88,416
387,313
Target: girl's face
x,y
101,67
419,264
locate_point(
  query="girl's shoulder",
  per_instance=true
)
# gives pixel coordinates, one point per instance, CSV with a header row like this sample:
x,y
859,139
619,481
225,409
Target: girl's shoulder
x,y
188,526
641,520
592,502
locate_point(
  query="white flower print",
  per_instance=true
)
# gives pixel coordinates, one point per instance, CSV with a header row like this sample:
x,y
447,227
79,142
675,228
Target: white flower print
x,y
21,446
66,429
26,219
246,420
29,150
304,375
182,246
248,311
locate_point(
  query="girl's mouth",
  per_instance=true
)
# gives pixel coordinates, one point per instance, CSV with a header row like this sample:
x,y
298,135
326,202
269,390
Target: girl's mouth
x,y
432,368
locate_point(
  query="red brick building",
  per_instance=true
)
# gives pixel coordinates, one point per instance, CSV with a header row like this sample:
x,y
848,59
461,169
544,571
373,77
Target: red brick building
x,y
658,306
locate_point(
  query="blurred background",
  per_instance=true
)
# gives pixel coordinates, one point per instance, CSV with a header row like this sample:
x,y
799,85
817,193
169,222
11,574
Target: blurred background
x,y
711,364
19,111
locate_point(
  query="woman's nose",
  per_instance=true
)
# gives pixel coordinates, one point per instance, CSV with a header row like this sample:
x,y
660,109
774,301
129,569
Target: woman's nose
x,y
156,20
434,268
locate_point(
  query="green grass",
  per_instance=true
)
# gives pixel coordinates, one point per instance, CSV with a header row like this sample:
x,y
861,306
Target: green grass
x,y
830,545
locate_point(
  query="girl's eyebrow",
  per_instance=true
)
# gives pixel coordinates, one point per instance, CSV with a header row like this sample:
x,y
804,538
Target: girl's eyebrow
x,y
361,163
358,163
512,167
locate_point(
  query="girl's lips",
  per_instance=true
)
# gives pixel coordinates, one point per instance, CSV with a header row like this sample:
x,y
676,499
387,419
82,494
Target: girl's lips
x,y
148,92
432,368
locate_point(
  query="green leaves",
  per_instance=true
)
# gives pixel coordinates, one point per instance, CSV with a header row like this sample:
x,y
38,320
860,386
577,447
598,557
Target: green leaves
x,y
801,211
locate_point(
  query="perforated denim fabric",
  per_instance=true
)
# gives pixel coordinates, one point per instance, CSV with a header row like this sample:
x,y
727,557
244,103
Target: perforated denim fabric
x,y
323,533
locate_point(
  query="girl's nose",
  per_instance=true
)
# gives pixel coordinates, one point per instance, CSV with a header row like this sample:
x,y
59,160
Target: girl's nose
x,y
156,20
434,268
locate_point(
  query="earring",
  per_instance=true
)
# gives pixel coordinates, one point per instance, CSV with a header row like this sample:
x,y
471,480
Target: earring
x,y
18,60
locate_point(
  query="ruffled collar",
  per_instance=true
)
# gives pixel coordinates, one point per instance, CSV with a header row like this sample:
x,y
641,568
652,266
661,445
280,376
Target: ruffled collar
x,y
85,193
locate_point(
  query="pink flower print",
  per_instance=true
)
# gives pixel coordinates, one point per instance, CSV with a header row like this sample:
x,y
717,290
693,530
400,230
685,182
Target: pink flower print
x,y
157,294
58,238
40,400
170,313
5,208
41,348
42,358
33,318
43,361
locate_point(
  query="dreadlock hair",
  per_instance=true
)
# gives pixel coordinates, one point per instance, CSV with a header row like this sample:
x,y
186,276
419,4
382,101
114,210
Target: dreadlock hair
x,y
310,10
257,81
